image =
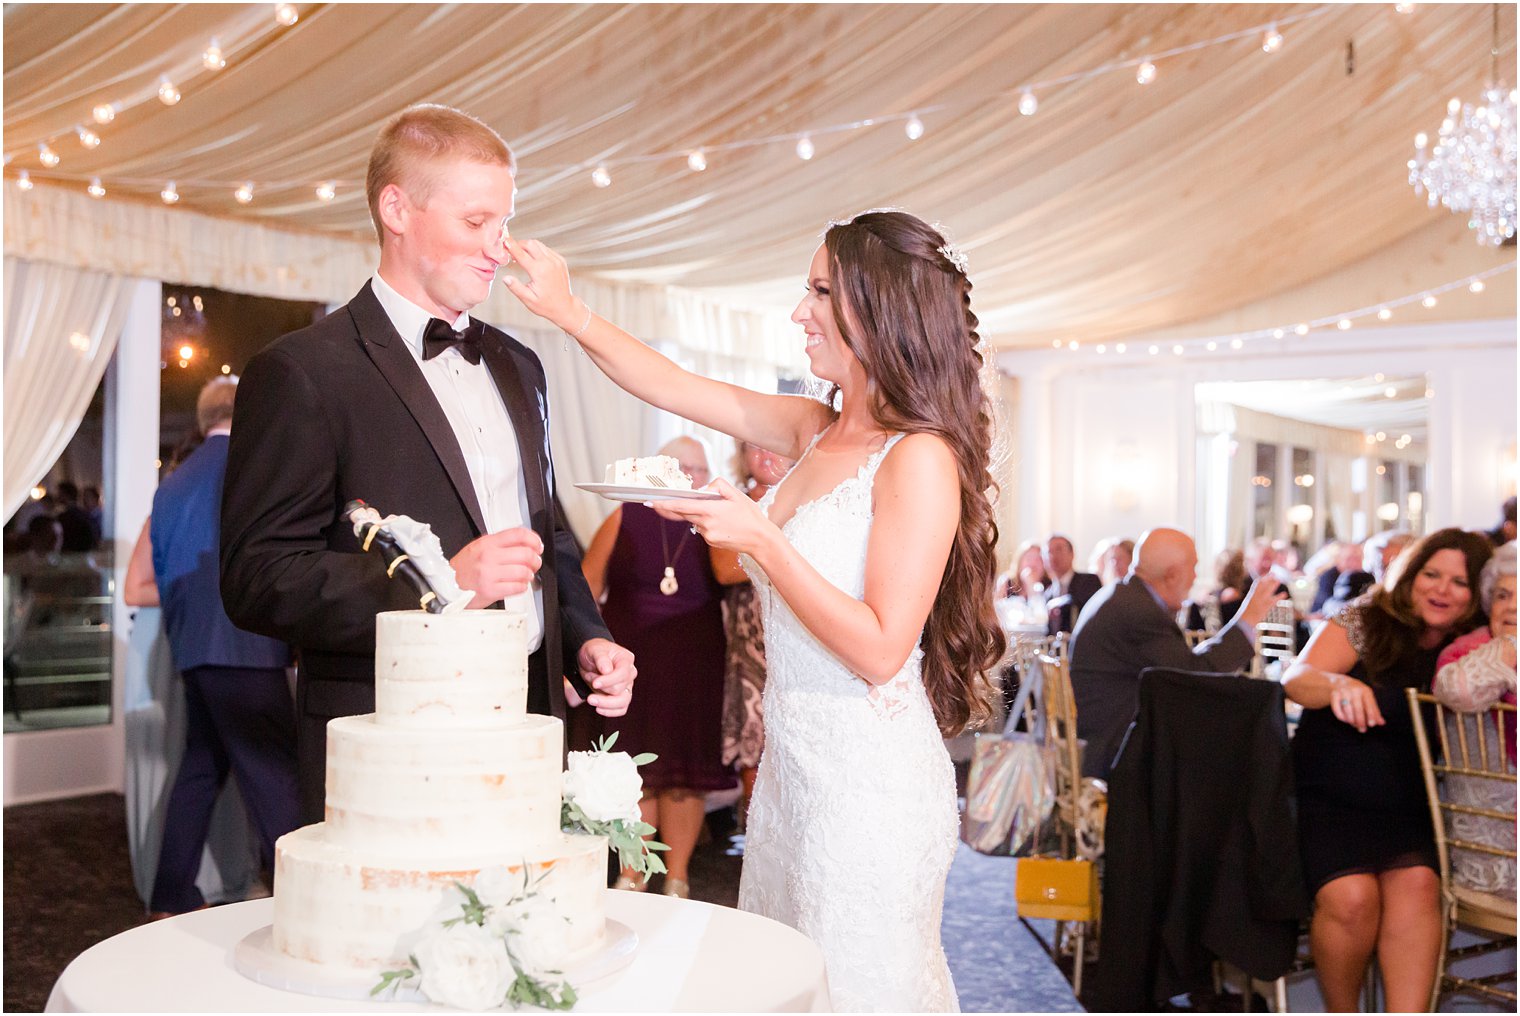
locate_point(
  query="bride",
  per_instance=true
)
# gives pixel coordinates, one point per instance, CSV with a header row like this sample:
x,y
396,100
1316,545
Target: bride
x,y
874,558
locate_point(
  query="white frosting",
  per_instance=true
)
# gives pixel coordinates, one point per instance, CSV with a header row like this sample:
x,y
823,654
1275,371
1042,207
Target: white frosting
x,y
337,905
637,472
448,776
428,795
450,670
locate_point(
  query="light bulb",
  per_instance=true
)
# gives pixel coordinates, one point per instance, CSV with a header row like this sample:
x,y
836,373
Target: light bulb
x,y
1154,350
24,181
169,193
1428,302
104,113
226,368
1404,8
47,155
1272,41
1343,324
87,137
1278,333
805,148
1476,287
327,190
1390,392
1073,345
914,128
1102,349
1301,330
286,14
1384,314
212,59
1146,73
186,352
1211,345
1454,106
95,190
696,161
1119,347
601,177
1237,343
1177,350
1028,104
1421,139
1055,343
244,194
167,93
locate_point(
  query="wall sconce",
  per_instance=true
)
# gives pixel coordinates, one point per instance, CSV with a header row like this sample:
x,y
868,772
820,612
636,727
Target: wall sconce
x,y
1388,511
1301,514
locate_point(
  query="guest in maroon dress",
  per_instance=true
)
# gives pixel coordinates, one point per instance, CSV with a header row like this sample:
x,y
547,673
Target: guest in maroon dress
x,y
664,603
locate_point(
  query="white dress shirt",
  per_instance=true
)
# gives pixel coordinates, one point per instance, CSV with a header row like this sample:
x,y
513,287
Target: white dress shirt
x,y
1061,584
484,430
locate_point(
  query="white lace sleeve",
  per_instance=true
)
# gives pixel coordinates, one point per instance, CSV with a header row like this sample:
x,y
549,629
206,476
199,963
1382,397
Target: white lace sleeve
x,y
1475,681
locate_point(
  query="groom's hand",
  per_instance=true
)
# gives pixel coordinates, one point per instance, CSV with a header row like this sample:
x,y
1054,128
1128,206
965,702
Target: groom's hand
x,y
499,564
609,669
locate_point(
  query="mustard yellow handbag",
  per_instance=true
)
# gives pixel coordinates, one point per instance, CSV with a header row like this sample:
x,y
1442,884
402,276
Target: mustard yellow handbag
x,y
1056,889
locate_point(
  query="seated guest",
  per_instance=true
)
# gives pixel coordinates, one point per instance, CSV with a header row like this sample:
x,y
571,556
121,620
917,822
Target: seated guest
x,y
1231,583
1111,559
1132,625
1378,554
1347,559
1476,671
1027,576
1069,590
1504,532
1364,830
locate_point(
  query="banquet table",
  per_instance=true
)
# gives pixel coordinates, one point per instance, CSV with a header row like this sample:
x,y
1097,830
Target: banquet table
x,y
691,957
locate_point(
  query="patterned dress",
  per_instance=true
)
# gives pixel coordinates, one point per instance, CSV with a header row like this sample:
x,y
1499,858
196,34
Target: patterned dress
x,y
743,678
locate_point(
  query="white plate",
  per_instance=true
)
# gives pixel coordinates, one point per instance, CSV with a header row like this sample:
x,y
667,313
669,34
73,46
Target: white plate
x,y
623,492
256,958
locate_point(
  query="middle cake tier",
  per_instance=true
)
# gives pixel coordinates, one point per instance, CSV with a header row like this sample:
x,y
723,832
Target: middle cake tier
x,y
444,793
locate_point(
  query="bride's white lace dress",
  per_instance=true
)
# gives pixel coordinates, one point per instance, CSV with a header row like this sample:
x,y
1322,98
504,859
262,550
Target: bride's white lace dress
x,y
853,822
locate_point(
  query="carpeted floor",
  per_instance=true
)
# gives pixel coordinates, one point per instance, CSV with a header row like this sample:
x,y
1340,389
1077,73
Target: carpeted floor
x,y
68,885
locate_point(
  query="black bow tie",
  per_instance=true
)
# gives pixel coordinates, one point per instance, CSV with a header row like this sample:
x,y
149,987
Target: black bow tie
x,y
439,336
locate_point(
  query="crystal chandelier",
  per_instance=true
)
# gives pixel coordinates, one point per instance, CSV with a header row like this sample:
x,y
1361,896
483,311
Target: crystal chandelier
x,y
1471,167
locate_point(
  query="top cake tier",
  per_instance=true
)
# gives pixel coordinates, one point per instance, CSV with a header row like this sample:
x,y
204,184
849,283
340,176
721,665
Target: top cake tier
x,y
467,669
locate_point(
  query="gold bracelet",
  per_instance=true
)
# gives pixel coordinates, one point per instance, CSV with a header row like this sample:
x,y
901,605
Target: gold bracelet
x,y
582,329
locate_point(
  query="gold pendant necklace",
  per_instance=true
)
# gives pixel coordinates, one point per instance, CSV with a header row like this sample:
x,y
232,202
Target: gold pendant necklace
x,y
668,585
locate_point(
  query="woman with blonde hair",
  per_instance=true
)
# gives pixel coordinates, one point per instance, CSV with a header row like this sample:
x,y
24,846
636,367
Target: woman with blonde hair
x,y
876,561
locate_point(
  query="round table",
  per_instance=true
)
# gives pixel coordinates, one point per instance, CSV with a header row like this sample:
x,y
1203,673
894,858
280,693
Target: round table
x,y
691,957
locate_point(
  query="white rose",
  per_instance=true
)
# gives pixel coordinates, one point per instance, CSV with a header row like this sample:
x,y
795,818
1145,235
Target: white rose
x,y
495,886
606,786
464,966
538,937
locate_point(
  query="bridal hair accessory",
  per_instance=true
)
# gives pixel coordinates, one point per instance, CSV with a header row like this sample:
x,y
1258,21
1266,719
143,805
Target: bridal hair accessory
x,y
955,256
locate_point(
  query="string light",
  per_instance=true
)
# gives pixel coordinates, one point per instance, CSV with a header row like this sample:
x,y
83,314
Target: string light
x,y
1429,301
1177,350
1146,72
1343,324
167,93
170,194
87,137
914,128
1237,343
697,161
1301,329
1405,8
47,156
95,189
24,181
1211,345
1476,286
1273,40
286,14
1384,313
244,194
1119,347
1102,349
1028,104
104,113
212,59
327,190
1154,350
1278,333
805,148
601,177
226,368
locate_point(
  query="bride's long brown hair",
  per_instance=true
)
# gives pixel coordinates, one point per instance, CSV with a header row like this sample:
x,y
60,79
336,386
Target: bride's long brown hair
x,y
904,309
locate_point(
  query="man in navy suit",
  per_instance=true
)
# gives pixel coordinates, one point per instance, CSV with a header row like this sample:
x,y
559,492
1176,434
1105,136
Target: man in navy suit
x,y
1069,589
240,716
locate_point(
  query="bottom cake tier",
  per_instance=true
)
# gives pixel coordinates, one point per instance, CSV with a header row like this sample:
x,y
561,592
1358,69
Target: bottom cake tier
x,y
342,906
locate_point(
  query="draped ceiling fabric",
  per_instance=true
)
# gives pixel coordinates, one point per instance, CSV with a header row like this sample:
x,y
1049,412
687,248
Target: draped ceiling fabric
x,y
1236,180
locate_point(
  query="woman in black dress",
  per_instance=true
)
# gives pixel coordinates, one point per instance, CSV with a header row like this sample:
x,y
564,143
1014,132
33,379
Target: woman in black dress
x,y
1364,827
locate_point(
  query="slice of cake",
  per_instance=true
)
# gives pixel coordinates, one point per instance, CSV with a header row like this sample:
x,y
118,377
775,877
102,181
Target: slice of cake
x,y
653,471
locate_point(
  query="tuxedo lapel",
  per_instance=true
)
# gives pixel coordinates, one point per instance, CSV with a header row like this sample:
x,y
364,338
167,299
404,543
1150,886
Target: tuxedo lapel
x,y
525,407
389,353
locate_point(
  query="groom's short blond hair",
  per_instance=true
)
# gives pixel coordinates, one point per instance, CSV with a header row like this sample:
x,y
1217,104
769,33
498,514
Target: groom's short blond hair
x,y
418,136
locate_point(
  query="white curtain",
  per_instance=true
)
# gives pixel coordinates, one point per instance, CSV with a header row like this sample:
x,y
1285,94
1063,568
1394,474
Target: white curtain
x,y
61,327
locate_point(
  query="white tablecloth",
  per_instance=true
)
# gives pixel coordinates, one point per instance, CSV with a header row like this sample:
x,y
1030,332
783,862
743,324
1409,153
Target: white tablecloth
x,y
691,957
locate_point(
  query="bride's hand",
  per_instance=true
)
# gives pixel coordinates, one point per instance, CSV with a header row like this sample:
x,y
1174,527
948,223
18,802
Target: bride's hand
x,y
734,523
547,289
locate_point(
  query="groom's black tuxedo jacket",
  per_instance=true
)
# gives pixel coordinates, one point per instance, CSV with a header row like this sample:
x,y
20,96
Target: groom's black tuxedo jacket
x,y
341,410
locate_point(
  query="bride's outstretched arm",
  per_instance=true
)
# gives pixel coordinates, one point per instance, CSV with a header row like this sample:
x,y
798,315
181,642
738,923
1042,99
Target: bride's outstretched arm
x,y
779,423
917,512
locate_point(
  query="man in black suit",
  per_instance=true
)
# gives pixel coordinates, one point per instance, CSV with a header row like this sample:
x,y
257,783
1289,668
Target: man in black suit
x,y
1069,589
1132,624
400,399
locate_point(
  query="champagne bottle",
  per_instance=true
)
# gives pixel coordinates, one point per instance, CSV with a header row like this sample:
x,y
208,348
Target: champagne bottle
x,y
398,563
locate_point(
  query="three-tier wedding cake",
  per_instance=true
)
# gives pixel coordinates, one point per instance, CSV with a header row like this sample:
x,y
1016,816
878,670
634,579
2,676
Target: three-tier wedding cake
x,y
450,775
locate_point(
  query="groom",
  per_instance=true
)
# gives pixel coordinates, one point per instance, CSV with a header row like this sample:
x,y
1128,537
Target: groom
x,y
400,399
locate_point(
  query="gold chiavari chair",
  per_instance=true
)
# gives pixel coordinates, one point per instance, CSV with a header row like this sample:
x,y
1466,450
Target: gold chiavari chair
x,y
1472,749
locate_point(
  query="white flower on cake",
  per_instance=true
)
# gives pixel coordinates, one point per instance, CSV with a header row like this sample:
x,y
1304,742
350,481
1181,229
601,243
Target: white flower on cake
x,y
537,937
464,965
602,791
653,471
